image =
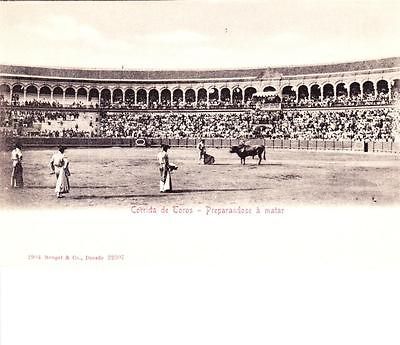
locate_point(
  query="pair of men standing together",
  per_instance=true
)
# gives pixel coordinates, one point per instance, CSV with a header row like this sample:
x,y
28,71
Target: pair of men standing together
x,y
58,164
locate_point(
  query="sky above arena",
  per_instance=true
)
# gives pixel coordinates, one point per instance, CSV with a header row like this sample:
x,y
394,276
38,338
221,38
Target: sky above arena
x,y
197,34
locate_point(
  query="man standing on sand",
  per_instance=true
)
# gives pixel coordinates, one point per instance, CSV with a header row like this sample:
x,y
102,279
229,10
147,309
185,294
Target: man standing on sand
x,y
17,180
59,166
202,150
165,175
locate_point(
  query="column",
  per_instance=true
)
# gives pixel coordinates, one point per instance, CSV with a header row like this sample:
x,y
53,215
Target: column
x,y
123,95
10,94
76,96
51,96
24,94
38,94
63,99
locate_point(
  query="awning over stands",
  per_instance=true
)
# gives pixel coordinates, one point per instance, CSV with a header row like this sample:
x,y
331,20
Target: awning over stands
x,y
265,94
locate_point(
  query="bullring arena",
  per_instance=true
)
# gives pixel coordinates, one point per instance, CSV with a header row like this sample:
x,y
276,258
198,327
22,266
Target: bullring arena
x,y
331,134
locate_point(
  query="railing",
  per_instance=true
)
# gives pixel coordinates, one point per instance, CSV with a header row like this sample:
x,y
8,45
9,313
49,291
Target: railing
x,y
284,106
270,144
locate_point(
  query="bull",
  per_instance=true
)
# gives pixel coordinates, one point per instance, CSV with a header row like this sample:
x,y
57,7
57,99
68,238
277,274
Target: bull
x,y
244,151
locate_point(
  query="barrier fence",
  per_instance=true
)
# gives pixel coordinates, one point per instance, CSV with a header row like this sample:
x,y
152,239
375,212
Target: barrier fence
x,y
279,144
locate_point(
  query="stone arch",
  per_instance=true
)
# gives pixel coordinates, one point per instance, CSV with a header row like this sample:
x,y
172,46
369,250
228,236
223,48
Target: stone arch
x,y
141,96
94,95
302,92
394,82
105,97
31,92
237,95
382,86
395,88
166,97
190,95
328,90
70,93
213,94
153,96
18,88
355,89
288,92
129,96
81,95
17,93
45,93
225,94
177,95
341,90
5,88
58,94
117,95
202,94
5,91
269,88
249,92
368,88
315,92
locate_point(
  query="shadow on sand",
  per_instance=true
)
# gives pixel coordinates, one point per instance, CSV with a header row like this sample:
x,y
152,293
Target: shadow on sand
x,y
116,196
182,191
178,191
77,187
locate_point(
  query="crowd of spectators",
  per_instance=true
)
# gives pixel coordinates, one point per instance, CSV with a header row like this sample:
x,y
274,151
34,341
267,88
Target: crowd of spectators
x,y
34,103
288,101
46,123
374,123
349,124
340,101
27,118
175,124
178,104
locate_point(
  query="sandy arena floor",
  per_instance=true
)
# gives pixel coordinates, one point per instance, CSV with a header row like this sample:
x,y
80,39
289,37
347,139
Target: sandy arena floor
x,y
123,177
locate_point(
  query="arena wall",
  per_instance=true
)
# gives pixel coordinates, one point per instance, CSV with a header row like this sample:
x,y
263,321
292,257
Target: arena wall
x,y
6,143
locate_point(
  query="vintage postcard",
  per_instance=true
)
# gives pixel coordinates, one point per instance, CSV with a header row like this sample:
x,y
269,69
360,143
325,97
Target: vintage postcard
x,y
195,172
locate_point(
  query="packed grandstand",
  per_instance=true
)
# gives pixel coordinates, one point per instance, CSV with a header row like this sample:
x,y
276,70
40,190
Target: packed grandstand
x,y
349,101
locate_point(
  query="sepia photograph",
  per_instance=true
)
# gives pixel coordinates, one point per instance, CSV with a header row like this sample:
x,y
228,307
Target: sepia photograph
x,y
104,109
199,172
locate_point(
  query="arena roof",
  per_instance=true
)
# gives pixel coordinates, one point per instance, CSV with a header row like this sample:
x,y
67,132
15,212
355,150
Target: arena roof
x,y
268,72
